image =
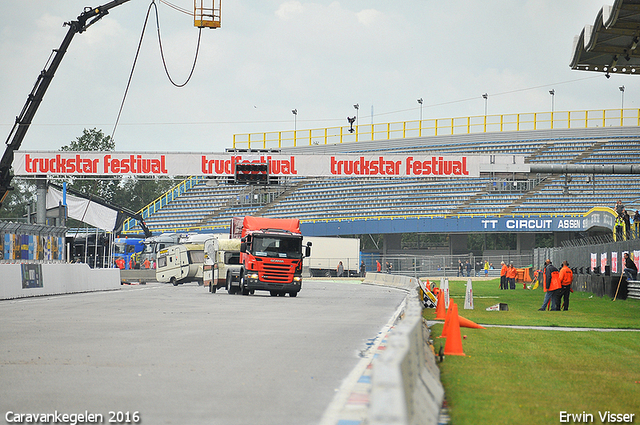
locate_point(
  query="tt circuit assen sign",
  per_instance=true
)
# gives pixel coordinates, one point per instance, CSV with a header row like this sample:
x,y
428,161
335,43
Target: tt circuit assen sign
x,y
183,164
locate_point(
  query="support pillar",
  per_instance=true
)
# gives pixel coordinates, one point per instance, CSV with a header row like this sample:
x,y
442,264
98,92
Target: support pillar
x,y
41,193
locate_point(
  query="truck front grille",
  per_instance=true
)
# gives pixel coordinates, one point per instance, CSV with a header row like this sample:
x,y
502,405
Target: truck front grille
x,y
277,273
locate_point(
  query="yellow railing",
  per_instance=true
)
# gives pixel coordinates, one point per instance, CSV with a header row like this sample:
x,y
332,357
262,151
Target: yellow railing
x,y
440,127
129,224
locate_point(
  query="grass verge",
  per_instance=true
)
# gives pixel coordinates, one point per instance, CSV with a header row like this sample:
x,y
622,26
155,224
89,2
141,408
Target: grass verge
x,y
526,376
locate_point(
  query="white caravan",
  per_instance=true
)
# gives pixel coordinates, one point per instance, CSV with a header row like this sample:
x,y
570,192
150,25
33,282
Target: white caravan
x,y
179,264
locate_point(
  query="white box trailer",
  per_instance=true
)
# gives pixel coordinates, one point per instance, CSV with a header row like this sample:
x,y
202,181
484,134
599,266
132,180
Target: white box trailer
x,y
327,253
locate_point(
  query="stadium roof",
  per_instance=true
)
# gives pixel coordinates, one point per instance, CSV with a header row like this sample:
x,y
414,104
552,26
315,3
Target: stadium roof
x,y
610,45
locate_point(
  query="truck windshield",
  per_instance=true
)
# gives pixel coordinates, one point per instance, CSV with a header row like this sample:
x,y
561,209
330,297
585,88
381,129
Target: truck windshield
x,y
277,247
119,248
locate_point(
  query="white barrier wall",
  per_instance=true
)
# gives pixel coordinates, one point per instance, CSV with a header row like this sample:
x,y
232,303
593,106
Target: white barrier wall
x,y
406,387
29,280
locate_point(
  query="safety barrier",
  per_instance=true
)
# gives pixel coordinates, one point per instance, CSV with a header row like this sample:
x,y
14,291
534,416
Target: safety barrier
x,y
406,386
36,279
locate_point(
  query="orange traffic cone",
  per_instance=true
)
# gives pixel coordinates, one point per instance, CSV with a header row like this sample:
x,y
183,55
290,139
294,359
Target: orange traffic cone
x,y
440,310
466,323
453,345
447,322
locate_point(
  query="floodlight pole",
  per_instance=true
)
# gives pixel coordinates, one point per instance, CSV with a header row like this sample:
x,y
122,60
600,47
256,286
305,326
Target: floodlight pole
x,y
420,123
486,100
295,124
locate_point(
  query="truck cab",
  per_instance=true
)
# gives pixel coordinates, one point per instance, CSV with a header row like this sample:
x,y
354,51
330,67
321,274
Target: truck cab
x,y
125,249
272,261
155,244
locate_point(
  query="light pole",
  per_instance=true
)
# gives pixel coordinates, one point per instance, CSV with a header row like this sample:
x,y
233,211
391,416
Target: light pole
x,y
552,92
622,93
295,120
486,99
295,124
357,106
420,123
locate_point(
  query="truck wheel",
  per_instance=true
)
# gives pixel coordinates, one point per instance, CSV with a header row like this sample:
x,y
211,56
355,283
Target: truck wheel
x,y
173,281
242,289
293,294
273,293
228,283
213,288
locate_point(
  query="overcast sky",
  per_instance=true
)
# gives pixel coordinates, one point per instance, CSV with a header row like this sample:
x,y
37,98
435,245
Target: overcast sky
x,y
272,56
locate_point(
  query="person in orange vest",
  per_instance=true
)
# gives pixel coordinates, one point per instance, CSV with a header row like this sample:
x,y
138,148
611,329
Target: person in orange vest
x,y
566,278
146,264
550,285
547,294
378,266
511,276
503,276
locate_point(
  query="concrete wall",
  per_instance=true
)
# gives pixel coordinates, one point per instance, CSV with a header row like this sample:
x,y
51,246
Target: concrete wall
x,y
35,279
406,386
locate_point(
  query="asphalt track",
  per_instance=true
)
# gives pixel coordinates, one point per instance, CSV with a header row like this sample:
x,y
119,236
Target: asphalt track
x,y
180,355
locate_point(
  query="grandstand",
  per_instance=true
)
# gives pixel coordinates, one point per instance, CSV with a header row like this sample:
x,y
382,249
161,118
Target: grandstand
x,y
210,203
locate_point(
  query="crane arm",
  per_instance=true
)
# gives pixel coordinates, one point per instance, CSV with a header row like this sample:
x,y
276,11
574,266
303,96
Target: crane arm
x,y
87,18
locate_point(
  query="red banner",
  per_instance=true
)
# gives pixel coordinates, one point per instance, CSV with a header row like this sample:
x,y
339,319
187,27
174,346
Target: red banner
x,y
183,164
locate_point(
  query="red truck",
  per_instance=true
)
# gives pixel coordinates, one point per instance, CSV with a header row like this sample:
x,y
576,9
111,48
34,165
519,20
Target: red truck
x,y
271,255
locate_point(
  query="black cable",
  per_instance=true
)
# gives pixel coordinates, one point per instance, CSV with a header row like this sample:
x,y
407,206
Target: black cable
x,y
135,60
195,59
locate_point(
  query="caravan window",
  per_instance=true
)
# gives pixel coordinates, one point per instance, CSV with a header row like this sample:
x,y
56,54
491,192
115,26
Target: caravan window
x,y
195,257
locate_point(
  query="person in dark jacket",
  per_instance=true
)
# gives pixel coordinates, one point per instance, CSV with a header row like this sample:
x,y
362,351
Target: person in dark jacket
x,y
630,270
627,224
552,280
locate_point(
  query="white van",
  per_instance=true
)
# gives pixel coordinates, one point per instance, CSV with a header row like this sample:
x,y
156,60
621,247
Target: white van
x,y
179,264
222,264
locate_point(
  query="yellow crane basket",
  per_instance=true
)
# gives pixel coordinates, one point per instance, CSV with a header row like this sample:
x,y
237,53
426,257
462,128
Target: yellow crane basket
x,y
206,13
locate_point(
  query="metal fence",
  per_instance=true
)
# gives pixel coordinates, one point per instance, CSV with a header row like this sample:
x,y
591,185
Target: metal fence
x,y
25,243
579,257
444,265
